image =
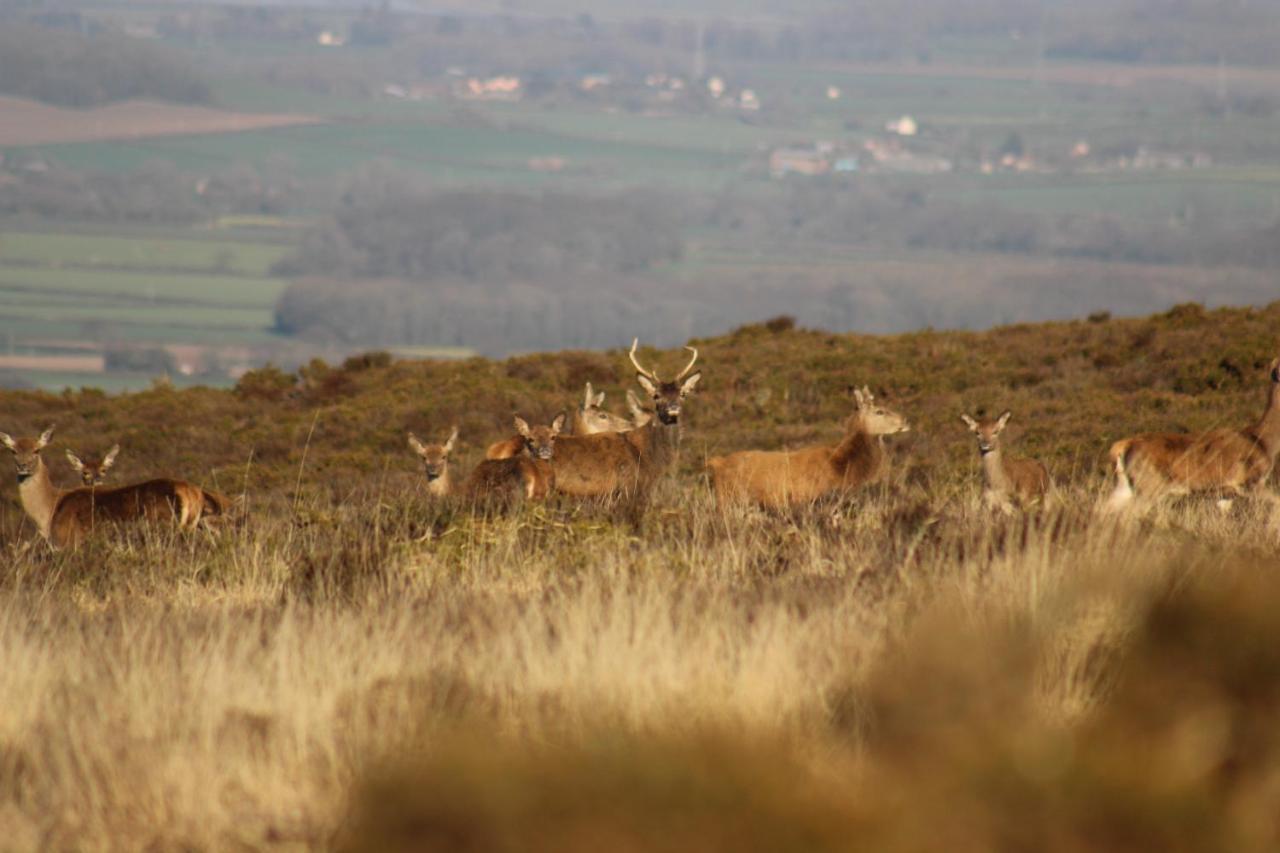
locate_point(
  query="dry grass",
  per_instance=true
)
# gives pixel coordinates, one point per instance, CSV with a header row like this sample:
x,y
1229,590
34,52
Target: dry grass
x,y
358,667
551,679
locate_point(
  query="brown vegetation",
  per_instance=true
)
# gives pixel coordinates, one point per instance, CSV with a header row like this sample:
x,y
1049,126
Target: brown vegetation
x,y
366,667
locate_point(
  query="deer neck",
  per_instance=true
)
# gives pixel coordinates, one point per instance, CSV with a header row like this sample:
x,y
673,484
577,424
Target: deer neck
x,y
40,498
1268,428
441,486
657,443
857,444
993,469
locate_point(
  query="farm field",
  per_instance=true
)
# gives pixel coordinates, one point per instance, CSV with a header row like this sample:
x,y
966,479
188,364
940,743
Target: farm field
x,y
358,666
24,122
62,288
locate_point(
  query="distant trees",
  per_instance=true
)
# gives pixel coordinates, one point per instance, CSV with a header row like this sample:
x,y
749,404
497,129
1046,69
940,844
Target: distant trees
x,y
486,236
157,192
75,70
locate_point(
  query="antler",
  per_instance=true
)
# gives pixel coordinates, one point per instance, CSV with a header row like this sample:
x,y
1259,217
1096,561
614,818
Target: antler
x,y
647,373
690,365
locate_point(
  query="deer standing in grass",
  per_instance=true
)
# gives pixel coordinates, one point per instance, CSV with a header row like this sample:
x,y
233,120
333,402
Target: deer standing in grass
x,y
628,463
65,516
93,472
588,419
529,474
591,417
1006,479
784,478
1226,462
435,463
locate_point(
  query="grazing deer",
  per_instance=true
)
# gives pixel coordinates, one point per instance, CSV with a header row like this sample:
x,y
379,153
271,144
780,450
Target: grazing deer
x,y
435,463
591,418
66,516
93,472
784,478
615,463
1227,462
529,474
1006,479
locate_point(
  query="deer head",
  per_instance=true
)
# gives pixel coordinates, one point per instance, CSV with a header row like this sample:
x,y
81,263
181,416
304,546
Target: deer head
x,y
26,452
93,472
987,430
540,441
875,418
666,396
435,457
592,418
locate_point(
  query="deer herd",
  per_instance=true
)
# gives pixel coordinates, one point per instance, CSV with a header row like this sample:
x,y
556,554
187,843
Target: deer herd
x,y
605,455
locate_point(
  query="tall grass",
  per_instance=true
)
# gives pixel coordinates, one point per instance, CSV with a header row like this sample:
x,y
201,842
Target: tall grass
x,y
383,671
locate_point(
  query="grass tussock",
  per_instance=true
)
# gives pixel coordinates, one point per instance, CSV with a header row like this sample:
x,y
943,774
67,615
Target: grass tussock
x,y
360,667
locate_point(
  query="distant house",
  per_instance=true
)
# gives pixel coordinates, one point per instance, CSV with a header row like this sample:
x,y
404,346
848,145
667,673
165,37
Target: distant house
x,y
591,82
716,86
798,161
500,88
904,126
328,38
833,93
748,100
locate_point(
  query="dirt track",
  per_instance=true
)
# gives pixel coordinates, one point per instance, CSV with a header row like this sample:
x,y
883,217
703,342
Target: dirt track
x,y
24,122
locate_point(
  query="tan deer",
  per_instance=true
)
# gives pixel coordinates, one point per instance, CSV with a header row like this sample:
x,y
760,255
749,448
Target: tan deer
x,y
529,474
435,462
639,415
588,419
785,478
1226,462
628,463
65,516
1006,479
93,472
591,417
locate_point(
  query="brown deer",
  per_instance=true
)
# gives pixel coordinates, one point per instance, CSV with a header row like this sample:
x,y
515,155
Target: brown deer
x,y
1006,479
435,463
1226,462
628,463
591,418
529,474
65,516
784,478
588,419
93,472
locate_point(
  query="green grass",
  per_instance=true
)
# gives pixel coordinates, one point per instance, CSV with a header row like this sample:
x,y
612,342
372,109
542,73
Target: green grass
x,y
196,288
139,253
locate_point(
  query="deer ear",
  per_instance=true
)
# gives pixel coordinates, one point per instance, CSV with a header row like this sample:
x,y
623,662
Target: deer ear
x,y
453,436
558,423
7,441
647,384
587,396
859,401
1275,371
522,426
969,422
75,461
690,383
110,458
45,438
1003,419
418,447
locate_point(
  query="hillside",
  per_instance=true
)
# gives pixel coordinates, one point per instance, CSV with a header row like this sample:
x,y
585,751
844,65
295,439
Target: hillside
x,y
360,667
1073,387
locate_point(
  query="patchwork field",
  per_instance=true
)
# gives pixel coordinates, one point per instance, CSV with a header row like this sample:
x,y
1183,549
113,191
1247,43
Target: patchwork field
x,y
24,122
